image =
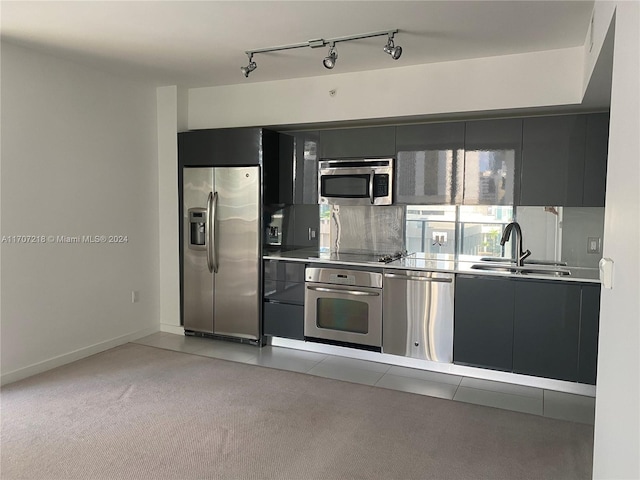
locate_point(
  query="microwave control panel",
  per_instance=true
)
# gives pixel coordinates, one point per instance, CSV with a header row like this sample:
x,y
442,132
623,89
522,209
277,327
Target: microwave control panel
x,y
381,185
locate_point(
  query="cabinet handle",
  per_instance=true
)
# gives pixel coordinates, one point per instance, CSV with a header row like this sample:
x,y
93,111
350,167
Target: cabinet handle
x,y
420,279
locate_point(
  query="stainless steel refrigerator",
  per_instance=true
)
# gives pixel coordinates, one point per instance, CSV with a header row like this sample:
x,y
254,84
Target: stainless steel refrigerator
x,y
221,251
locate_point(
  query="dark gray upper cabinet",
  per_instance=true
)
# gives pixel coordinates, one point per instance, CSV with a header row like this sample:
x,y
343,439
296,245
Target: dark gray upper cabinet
x,y
226,147
358,142
595,161
564,160
307,146
493,152
429,163
483,322
553,153
286,156
546,329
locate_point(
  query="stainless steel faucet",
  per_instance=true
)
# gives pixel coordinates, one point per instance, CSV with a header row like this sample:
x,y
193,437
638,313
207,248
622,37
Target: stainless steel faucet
x,y
520,255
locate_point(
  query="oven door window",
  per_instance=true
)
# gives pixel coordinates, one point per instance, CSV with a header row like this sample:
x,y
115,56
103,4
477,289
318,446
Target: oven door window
x,y
341,314
345,186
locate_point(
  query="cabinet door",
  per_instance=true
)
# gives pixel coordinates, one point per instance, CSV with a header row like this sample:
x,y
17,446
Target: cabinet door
x,y
483,322
306,167
595,160
553,150
429,163
282,320
358,142
546,329
589,325
493,151
306,226
221,147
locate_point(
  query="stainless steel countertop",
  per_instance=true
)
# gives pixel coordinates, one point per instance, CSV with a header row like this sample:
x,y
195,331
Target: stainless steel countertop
x,y
435,263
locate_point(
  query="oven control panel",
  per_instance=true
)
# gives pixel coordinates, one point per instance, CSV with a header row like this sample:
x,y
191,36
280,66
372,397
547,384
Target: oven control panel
x,y
354,278
343,279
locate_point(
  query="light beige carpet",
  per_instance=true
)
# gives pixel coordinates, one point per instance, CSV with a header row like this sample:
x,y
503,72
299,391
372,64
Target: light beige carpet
x,y
138,412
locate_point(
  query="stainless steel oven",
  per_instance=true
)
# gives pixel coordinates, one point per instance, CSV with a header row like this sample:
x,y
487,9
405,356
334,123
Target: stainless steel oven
x,y
355,182
343,306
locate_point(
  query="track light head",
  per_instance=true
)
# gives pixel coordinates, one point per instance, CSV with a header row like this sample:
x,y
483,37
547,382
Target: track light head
x,y
391,49
250,67
330,60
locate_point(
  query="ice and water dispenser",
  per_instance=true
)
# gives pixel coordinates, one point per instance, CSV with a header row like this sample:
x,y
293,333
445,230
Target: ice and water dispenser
x,y
197,228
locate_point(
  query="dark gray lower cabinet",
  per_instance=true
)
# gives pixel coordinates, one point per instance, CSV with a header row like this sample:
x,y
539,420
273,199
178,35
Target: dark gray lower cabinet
x,y
589,326
283,305
283,320
483,322
546,329
534,327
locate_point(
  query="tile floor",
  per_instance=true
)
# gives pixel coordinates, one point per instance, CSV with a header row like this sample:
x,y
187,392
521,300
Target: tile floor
x,y
537,401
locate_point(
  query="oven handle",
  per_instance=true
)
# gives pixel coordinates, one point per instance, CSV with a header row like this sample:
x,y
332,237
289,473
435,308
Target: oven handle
x,y
346,292
371,184
420,279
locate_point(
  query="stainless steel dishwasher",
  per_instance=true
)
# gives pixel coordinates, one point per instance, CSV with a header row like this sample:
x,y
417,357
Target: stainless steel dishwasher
x,y
417,316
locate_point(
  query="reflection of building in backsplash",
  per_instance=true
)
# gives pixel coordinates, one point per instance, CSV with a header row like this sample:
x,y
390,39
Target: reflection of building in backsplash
x,y
466,230
375,229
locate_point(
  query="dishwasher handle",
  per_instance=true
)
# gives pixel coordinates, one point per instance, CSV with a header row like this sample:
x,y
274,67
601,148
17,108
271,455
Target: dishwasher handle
x,y
419,279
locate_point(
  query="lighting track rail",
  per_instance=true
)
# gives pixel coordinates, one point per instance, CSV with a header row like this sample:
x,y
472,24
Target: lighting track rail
x,y
330,60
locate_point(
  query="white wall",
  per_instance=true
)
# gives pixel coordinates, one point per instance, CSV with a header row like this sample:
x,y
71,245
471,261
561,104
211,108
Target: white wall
x,y
167,98
617,427
78,158
511,81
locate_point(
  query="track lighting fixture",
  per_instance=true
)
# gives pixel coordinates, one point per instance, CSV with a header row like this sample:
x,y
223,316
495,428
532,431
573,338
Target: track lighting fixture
x,y
249,68
391,49
330,60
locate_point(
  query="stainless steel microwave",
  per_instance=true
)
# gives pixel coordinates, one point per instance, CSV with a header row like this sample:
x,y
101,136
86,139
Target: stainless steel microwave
x,y
355,182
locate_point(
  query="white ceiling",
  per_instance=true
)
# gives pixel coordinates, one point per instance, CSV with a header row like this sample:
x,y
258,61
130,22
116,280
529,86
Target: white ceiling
x,y
202,43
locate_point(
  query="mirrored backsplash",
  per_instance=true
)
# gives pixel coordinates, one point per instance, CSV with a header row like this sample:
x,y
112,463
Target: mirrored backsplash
x,y
572,235
376,229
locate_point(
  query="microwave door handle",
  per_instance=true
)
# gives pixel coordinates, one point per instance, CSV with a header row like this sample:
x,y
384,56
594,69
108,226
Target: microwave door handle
x,y
371,178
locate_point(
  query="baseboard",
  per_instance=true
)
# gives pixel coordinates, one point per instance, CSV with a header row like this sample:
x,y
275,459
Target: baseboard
x,y
177,329
63,359
450,368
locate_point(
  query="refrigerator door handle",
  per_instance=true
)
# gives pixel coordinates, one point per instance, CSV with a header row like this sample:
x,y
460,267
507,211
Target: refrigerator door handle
x,y
207,227
214,244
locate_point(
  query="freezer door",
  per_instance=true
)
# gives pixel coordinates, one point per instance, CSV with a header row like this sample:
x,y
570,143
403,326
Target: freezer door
x,y
237,252
198,280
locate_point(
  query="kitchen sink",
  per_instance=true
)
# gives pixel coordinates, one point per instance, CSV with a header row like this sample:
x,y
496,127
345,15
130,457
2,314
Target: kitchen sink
x,y
526,262
525,270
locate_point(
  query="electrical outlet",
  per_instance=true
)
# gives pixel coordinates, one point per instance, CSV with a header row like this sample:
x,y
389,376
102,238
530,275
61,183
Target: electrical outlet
x,y
594,245
135,296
